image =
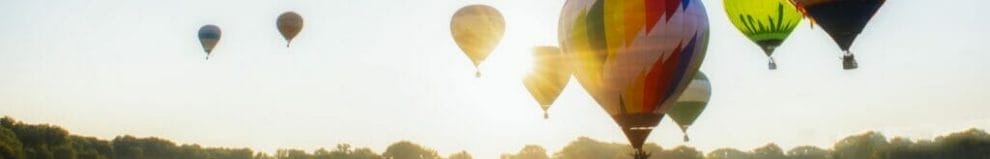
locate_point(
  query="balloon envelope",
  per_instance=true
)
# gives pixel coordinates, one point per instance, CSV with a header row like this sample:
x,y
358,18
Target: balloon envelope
x,y
477,29
842,19
209,35
634,57
691,103
549,76
289,24
765,22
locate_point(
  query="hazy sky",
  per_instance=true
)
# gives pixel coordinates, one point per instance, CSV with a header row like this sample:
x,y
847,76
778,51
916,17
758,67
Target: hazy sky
x,y
371,73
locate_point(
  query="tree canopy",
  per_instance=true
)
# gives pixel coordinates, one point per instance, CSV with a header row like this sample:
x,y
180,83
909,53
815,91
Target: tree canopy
x,y
19,140
409,150
528,152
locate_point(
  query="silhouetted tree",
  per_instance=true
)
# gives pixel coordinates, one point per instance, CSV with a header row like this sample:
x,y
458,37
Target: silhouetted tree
x,y
10,146
91,147
864,146
262,155
655,150
63,152
344,151
292,154
460,155
191,151
808,152
769,151
7,122
728,153
322,153
587,148
365,153
40,141
972,143
408,150
143,148
680,152
528,152
27,141
227,153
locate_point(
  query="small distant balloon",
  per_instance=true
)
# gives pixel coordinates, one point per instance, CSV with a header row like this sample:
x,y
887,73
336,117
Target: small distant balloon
x,y
209,36
692,102
477,29
289,24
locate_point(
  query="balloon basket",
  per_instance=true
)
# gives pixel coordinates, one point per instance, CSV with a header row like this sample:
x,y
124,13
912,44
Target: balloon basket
x,y
771,64
849,62
640,154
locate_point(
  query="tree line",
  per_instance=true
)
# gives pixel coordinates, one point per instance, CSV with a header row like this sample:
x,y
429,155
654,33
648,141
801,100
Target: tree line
x,y
19,140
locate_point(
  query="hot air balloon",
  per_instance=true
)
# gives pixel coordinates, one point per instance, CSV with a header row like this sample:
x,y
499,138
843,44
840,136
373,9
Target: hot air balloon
x,y
209,35
550,74
691,103
289,24
634,57
765,22
477,29
843,20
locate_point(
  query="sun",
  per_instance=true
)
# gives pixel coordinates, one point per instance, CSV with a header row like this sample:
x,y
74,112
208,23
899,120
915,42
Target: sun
x,y
525,29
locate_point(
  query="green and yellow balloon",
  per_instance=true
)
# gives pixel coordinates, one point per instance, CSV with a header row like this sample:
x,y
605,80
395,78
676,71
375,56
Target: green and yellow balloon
x,y
765,22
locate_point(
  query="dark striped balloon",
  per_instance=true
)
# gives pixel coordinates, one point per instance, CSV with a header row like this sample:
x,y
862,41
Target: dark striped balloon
x,y
209,36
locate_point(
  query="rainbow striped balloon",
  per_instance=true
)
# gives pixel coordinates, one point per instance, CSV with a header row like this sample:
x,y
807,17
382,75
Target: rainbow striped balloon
x,y
635,57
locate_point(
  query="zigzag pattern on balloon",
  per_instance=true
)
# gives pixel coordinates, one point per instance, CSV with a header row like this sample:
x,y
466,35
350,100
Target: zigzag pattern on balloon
x,y
621,42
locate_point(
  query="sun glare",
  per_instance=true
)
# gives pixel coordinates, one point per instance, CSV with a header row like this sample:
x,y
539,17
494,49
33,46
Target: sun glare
x,y
513,58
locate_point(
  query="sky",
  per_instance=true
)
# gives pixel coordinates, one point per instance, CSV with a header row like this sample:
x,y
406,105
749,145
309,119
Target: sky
x,y
370,73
